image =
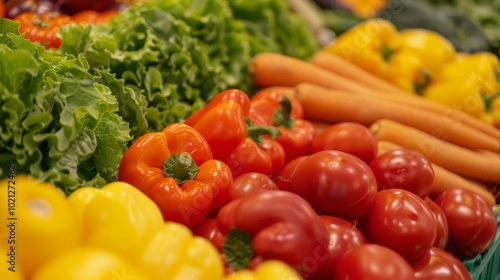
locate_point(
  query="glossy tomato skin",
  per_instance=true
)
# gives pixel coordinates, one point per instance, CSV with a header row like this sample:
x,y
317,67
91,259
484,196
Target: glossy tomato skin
x,y
251,182
441,224
284,179
403,169
374,262
343,236
335,183
45,34
438,264
401,221
471,221
350,137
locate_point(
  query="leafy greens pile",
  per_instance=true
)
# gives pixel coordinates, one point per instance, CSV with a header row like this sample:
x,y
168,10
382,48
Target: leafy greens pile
x,y
68,115
58,124
165,59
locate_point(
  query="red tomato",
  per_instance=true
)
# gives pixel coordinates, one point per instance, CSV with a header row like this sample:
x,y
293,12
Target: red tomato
x,y
441,224
374,262
438,264
251,182
208,229
401,221
349,137
42,29
335,183
2,9
284,179
471,222
403,169
342,237
89,16
74,6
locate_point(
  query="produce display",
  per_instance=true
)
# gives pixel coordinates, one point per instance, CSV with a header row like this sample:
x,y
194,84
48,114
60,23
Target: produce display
x,y
229,140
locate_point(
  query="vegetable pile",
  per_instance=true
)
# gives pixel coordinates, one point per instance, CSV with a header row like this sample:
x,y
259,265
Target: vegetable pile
x,y
202,140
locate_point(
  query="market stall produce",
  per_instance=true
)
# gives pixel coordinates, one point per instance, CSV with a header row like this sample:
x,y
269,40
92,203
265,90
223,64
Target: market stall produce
x,y
238,139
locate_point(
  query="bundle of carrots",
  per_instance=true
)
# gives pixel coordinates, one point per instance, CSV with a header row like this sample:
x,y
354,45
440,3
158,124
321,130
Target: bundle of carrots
x,y
464,150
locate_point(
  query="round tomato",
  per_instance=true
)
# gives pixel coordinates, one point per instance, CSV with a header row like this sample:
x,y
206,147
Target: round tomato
x,y
2,9
403,169
251,182
74,6
374,262
438,264
284,179
335,183
89,16
401,221
208,229
441,224
42,28
471,221
342,237
349,137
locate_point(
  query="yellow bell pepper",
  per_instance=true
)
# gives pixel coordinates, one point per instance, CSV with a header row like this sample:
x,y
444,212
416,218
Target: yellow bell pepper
x,y
267,270
115,216
172,252
469,83
364,8
87,263
369,45
6,271
40,223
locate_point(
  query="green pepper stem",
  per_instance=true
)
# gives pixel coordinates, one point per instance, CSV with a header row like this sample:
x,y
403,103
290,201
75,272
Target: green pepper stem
x,y
488,101
257,132
283,116
180,167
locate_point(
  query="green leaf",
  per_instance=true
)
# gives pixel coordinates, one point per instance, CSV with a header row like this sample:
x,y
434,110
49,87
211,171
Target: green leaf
x,y
237,249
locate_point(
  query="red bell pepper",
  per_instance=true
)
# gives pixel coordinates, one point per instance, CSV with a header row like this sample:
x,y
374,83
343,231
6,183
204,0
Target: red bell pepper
x,y
270,225
175,168
285,112
238,137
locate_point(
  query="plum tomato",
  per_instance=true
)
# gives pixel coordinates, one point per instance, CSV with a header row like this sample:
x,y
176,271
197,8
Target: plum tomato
x,y
438,264
343,236
335,183
401,221
441,224
374,262
403,169
471,222
251,182
350,137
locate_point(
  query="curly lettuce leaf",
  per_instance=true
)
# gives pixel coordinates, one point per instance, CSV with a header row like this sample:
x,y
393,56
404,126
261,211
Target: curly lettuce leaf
x,y
60,125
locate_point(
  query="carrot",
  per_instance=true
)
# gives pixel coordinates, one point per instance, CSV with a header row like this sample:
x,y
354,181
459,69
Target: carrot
x,y
273,69
340,66
328,105
454,158
445,179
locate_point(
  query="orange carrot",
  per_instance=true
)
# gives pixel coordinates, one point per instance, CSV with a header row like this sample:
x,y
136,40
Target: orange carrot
x,y
328,105
445,179
338,65
454,158
273,69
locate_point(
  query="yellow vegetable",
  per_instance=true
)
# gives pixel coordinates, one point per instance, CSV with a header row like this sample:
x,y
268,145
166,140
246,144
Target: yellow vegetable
x,y
268,270
40,223
115,216
369,45
172,252
89,264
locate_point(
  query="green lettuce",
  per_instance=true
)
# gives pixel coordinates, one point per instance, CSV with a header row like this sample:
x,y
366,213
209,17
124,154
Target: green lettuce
x,y
165,59
60,124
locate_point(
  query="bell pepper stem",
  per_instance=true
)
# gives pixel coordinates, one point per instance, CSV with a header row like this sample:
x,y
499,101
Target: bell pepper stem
x,y
180,167
283,116
257,132
488,101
